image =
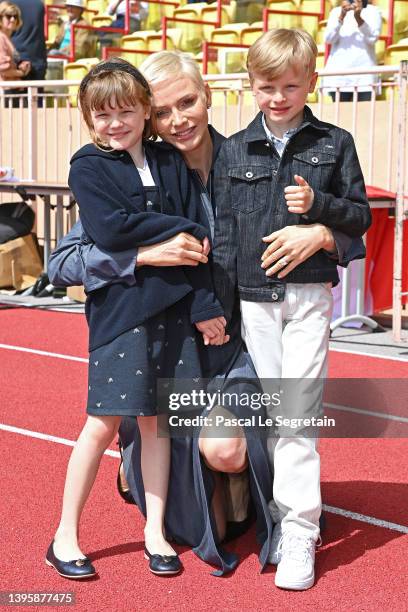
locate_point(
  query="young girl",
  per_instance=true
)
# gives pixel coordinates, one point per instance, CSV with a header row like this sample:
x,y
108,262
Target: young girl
x,y
132,193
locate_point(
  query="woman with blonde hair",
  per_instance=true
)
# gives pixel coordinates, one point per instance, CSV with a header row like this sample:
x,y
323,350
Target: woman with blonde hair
x,y
208,500
12,68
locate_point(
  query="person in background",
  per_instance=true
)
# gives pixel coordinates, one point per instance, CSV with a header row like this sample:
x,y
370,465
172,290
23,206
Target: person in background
x,y
12,67
84,39
29,40
138,12
352,31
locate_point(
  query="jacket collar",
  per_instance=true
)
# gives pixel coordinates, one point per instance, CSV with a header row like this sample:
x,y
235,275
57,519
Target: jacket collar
x,y
217,140
255,131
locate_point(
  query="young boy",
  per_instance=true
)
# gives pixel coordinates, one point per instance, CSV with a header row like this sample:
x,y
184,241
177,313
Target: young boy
x,y
286,168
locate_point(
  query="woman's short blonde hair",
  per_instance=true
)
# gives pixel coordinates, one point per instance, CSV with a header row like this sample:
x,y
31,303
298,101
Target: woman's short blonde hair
x,y
165,65
114,82
279,50
6,6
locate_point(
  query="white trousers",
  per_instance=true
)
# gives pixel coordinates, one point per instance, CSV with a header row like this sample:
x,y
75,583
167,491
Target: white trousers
x,y
290,339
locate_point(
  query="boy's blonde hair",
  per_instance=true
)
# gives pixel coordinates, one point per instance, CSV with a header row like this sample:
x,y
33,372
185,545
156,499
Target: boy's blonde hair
x,y
114,82
7,7
279,50
165,65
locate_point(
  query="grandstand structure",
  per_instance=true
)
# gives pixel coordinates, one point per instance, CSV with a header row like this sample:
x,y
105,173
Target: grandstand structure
x,y
217,34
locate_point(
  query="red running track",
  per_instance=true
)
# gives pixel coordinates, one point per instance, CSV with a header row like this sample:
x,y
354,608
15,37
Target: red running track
x,y
360,566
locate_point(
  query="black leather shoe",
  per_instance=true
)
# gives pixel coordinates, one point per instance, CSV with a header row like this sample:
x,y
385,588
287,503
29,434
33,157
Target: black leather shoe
x,y
79,568
121,482
163,565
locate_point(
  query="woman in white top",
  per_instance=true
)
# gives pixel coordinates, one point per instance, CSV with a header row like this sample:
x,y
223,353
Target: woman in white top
x,y
352,31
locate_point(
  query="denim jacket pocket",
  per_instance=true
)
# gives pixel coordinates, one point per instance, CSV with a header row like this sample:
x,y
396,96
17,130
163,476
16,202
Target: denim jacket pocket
x,y
250,187
316,167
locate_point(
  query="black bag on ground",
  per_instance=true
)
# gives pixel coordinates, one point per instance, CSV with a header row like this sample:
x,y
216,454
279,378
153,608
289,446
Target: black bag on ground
x,y
16,220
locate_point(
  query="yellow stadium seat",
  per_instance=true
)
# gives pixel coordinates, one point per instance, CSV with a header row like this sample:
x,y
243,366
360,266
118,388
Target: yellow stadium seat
x,y
154,41
155,14
230,61
319,38
101,21
192,32
380,47
135,42
400,19
53,30
75,71
313,6
209,13
97,5
283,21
250,34
394,54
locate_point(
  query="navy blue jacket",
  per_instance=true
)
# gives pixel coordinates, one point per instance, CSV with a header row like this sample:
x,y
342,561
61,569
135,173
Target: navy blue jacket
x,y
112,204
29,40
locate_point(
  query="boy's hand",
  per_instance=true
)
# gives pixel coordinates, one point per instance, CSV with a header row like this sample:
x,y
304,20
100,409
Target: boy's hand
x,y
299,198
213,331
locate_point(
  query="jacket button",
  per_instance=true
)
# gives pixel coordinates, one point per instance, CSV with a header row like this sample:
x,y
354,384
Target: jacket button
x,y
274,296
315,160
249,174
274,172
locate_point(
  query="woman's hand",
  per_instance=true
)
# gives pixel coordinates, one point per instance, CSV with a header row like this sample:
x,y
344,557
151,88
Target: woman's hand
x,y
25,67
345,8
294,244
213,331
181,250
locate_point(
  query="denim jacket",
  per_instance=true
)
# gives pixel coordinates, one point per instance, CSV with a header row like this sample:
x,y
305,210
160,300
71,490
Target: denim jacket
x,y
250,179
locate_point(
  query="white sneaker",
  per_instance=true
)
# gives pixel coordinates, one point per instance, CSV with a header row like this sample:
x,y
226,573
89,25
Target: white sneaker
x,y
275,556
296,567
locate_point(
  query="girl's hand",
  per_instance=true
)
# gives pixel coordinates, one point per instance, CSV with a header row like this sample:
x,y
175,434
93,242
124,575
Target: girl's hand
x,y
292,245
213,331
206,246
181,250
299,198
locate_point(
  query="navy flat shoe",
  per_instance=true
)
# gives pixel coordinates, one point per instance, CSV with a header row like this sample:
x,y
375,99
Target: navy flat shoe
x,y
163,565
77,569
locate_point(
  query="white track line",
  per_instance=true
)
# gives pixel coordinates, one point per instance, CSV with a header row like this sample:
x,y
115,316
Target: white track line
x,y
381,415
366,519
44,353
332,509
404,360
48,438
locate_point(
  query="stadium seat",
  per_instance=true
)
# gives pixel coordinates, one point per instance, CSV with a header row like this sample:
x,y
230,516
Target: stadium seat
x,y
192,32
230,61
250,34
394,54
319,38
101,21
313,6
154,41
135,42
96,5
282,21
209,13
75,71
155,14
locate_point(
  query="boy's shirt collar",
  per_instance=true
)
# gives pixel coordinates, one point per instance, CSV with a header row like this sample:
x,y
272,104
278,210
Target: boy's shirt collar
x,y
255,130
279,143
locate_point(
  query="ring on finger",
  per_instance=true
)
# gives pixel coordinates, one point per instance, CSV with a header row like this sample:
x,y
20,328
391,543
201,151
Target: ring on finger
x,y
283,262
